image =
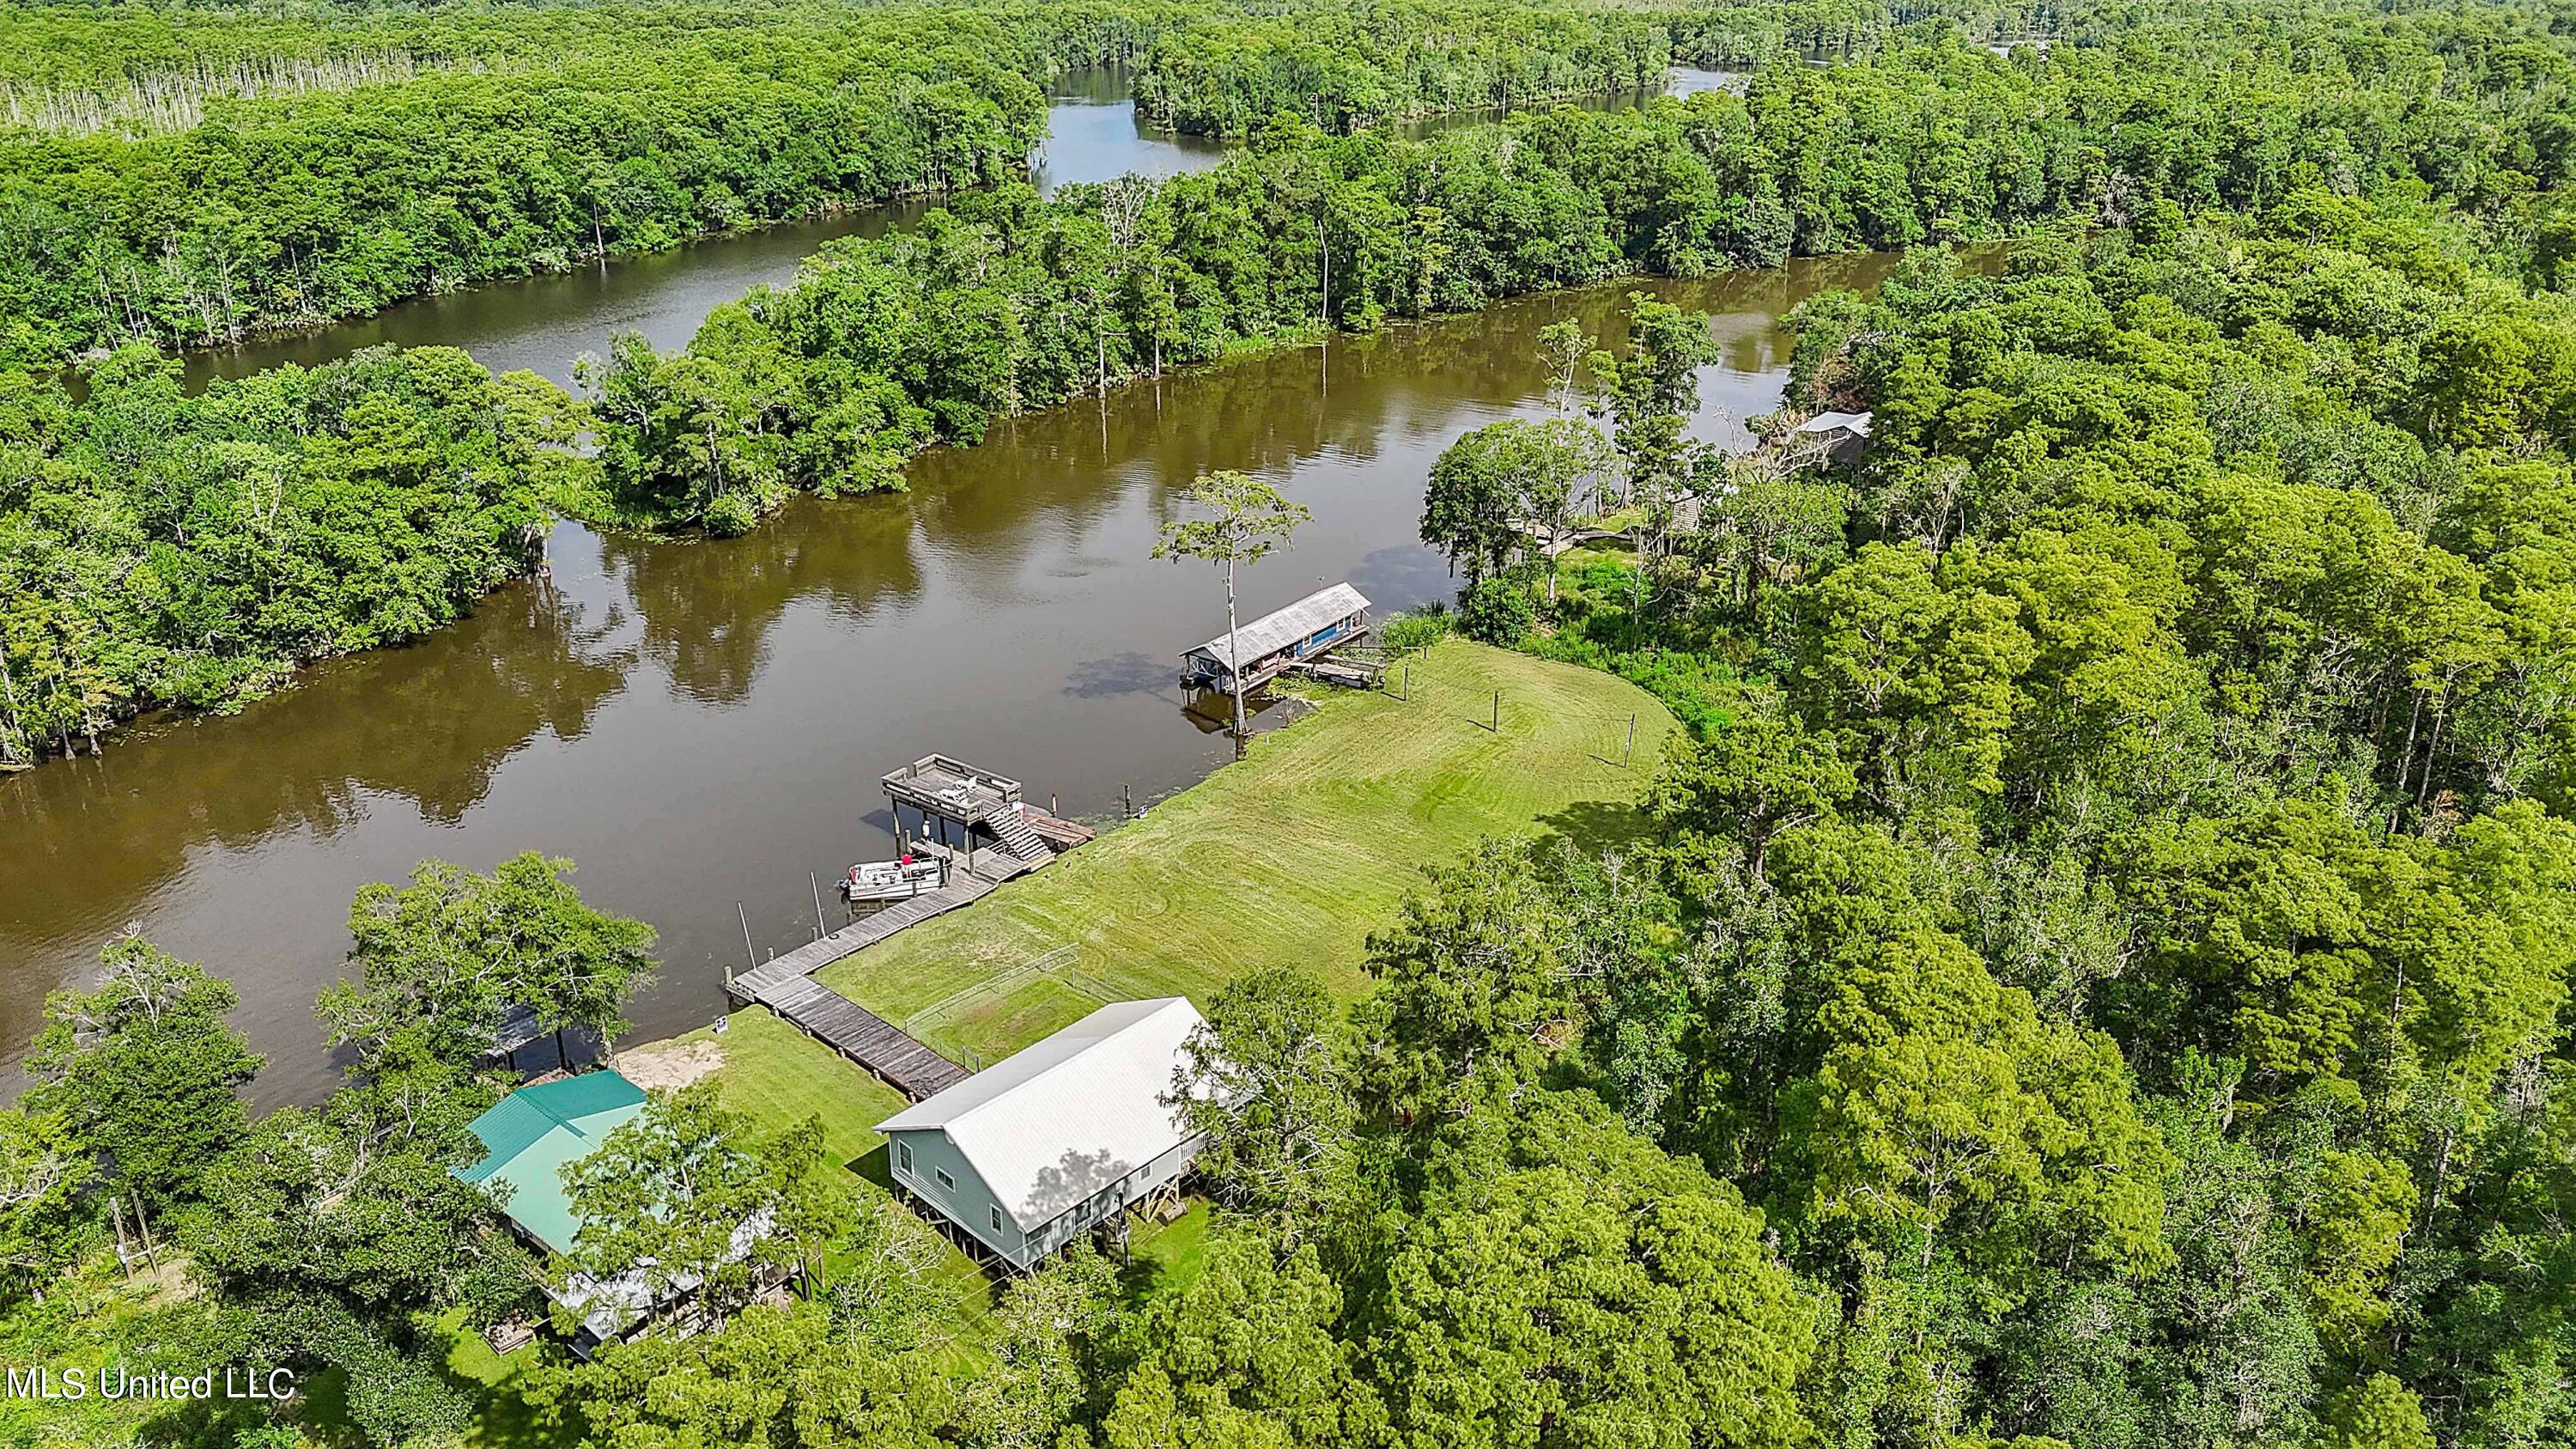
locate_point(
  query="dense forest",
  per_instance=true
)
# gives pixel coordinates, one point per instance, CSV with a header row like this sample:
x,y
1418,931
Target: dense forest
x,y
193,182
1343,70
2112,920
2095,970
572,132
1007,302
162,548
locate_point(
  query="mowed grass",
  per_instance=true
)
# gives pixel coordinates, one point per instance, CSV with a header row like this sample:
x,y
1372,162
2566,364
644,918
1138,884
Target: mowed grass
x,y
1290,857
778,1076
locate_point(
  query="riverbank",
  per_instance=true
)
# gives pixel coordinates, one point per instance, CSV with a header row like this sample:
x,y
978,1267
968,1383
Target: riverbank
x,y
1006,607
1289,857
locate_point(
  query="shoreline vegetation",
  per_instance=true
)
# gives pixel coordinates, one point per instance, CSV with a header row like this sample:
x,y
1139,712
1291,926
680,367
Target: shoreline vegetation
x,y
148,541
192,553
2091,964
559,133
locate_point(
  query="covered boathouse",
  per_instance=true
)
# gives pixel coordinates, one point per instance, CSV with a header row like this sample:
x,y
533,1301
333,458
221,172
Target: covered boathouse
x,y
1056,1140
1321,621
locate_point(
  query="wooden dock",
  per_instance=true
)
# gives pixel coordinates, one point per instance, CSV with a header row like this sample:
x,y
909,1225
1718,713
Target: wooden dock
x,y
906,1065
786,984
1348,673
1016,838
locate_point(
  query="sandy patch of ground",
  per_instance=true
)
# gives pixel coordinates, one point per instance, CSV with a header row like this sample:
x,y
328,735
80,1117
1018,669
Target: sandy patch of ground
x,y
670,1064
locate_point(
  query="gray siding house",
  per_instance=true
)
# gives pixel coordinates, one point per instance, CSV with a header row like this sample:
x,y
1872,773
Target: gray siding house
x,y
1039,1148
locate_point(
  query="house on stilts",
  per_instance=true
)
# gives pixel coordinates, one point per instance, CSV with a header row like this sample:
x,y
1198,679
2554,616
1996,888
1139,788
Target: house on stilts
x,y
1056,1140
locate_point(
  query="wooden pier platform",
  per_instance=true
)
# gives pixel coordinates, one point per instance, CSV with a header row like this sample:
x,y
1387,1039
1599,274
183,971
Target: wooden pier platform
x,y
908,1066
1018,838
786,985
1349,674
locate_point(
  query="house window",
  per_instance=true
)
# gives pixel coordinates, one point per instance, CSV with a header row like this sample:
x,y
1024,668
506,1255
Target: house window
x,y
945,1180
903,1154
997,1217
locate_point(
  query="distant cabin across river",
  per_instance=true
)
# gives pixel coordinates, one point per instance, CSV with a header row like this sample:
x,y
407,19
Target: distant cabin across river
x,y
1276,642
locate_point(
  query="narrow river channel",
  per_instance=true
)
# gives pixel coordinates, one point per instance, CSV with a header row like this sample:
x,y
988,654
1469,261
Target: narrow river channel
x,y
701,724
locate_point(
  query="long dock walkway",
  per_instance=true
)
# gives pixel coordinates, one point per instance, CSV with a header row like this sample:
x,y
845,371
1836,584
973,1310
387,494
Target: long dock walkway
x,y
786,984
907,1065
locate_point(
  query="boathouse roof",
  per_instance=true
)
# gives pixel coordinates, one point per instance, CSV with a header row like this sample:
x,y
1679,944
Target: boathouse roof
x,y
1059,1121
1275,631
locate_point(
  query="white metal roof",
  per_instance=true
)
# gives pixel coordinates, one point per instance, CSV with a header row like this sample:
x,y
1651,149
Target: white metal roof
x,y
1054,1124
1273,632
1857,424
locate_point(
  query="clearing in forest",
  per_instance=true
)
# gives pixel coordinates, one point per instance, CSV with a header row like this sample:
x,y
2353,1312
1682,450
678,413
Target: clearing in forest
x,y
1290,857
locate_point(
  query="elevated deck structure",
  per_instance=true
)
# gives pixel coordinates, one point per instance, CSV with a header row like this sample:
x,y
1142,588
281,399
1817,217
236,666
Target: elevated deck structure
x,y
950,791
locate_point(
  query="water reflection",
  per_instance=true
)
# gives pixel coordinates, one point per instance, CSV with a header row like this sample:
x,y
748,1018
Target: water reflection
x,y
701,724
214,833
541,323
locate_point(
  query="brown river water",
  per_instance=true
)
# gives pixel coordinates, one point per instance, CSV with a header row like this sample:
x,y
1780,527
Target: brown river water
x,y
700,724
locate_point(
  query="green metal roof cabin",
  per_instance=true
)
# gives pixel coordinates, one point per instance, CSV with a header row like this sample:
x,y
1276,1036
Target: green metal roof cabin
x,y
530,1134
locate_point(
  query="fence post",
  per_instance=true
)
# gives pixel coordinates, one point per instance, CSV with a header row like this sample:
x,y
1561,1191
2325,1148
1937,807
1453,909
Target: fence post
x,y
1630,748
1497,725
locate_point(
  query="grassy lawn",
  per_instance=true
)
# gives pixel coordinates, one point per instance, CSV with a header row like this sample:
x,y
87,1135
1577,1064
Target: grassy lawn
x,y
778,1076
1290,857
1174,1252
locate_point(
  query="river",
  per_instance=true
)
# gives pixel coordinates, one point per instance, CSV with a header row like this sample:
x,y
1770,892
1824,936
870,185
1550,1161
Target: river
x,y
701,724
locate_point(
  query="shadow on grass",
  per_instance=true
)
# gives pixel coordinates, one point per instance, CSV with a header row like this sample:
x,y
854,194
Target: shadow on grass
x,y
873,1166
1592,826
506,1421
